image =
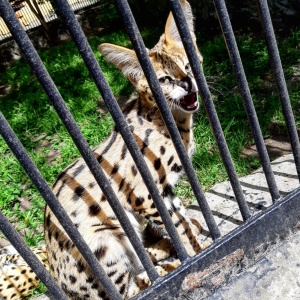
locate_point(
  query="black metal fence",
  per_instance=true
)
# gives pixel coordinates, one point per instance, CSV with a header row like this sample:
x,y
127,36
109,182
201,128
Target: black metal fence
x,y
29,20
252,233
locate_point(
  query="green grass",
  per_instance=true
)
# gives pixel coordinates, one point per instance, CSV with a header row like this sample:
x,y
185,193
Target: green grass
x,y
35,122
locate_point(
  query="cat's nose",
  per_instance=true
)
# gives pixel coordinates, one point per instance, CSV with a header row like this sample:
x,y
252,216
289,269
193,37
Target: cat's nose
x,y
186,84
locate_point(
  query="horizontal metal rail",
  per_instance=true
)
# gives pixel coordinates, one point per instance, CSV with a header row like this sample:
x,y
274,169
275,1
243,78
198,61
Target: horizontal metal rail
x,y
278,221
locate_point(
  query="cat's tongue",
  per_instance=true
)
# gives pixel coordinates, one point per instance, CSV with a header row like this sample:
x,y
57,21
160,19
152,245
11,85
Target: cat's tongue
x,y
189,102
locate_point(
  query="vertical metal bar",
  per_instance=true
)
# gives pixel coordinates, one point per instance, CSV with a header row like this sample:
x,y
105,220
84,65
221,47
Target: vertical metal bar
x,y
209,106
38,268
36,177
113,107
245,92
69,122
280,80
138,44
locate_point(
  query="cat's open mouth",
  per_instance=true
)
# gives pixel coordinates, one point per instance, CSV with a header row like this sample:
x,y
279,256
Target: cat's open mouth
x,y
189,102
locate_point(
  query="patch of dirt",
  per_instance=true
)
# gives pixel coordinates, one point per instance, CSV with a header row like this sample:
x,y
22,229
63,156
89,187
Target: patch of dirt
x,y
24,203
277,145
53,153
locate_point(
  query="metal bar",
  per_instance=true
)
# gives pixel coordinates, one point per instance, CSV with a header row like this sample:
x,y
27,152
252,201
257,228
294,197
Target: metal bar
x,y
36,177
280,80
209,106
113,107
247,99
278,222
69,122
138,44
30,258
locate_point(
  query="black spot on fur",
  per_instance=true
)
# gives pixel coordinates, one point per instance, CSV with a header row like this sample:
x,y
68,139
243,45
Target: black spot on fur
x,y
74,213
92,184
176,168
111,273
120,278
162,150
168,191
78,192
102,294
115,169
177,224
129,107
122,289
48,219
157,163
95,285
162,179
146,140
61,245
124,151
141,121
78,170
183,129
155,215
80,266
54,255
170,160
134,170
121,184
94,209
111,263
72,279
139,201
100,159
100,252
157,222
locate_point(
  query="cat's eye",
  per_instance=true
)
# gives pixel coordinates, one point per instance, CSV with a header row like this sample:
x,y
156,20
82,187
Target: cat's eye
x,y
165,79
188,68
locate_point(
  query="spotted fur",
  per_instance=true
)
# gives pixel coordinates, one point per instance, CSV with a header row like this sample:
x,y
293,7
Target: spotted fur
x,y
16,277
87,206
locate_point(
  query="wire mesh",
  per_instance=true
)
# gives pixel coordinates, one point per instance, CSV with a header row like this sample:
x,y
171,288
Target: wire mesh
x,y
29,19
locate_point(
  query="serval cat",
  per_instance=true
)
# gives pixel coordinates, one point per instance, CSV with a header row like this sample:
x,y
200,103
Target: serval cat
x,y
84,201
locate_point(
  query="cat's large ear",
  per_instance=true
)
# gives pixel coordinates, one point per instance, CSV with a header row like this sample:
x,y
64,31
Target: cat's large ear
x,y
123,58
171,32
